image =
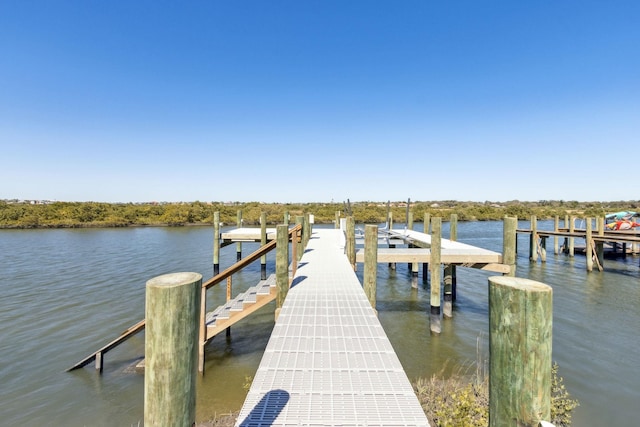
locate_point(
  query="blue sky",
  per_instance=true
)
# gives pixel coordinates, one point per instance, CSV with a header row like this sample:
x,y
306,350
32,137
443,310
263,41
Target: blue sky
x,y
303,101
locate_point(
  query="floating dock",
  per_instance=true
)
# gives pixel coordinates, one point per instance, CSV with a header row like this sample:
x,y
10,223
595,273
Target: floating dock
x,y
328,361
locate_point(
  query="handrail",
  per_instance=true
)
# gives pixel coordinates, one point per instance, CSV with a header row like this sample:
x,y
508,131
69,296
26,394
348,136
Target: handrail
x,y
128,333
137,327
263,250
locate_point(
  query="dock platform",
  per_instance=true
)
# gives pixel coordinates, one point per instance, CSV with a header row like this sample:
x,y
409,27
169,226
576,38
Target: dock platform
x,y
245,234
328,361
452,252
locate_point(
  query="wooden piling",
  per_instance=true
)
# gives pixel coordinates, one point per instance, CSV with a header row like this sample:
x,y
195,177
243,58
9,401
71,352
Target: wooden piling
x,y
453,236
282,265
565,245
509,235
300,221
350,244
533,240
171,349
239,244
306,230
572,228
263,241
426,229
556,227
370,262
600,244
410,227
520,332
447,304
436,248
427,223
216,243
588,241
337,221
99,361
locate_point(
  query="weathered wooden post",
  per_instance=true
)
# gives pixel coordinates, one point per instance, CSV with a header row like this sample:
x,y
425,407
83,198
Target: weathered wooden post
x,y
392,265
172,313
410,227
572,229
426,229
600,244
509,226
337,221
239,244
588,241
434,262
520,330
263,241
533,240
447,306
216,243
453,236
556,227
306,230
565,244
370,262
282,265
350,247
300,221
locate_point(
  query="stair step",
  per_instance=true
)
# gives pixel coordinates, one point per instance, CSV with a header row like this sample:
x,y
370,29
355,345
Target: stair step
x,y
238,302
250,296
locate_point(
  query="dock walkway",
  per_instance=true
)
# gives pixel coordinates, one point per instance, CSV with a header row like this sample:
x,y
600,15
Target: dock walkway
x,y
328,361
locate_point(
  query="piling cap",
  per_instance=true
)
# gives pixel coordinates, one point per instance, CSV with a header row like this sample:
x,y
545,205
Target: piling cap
x,y
174,279
520,283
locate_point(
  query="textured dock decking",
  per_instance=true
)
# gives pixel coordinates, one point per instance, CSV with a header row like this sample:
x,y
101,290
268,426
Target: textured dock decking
x,y
328,361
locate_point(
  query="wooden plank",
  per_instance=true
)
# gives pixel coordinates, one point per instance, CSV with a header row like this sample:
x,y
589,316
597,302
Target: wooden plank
x,y
247,234
448,256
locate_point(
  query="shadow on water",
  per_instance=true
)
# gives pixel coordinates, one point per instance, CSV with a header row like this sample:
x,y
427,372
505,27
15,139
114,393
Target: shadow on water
x,y
267,410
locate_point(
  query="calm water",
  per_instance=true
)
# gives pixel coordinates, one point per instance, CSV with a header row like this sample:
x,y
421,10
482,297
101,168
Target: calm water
x,y
65,293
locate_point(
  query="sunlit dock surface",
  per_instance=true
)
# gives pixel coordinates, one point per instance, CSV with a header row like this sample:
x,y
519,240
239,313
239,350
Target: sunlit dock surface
x,y
328,361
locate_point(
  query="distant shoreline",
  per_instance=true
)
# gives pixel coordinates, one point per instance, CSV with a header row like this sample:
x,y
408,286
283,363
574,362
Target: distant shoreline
x,y
60,215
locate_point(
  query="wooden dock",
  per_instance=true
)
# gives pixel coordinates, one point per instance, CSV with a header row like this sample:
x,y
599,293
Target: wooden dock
x,y
328,361
245,234
598,241
452,252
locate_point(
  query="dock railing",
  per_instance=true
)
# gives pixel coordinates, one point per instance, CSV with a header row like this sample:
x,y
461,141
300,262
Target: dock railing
x,y
294,235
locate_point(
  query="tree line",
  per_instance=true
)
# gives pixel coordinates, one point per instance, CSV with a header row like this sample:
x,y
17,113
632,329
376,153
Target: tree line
x,y
97,214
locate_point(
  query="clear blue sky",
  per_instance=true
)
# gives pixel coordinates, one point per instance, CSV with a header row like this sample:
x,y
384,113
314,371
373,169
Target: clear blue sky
x,y
300,101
